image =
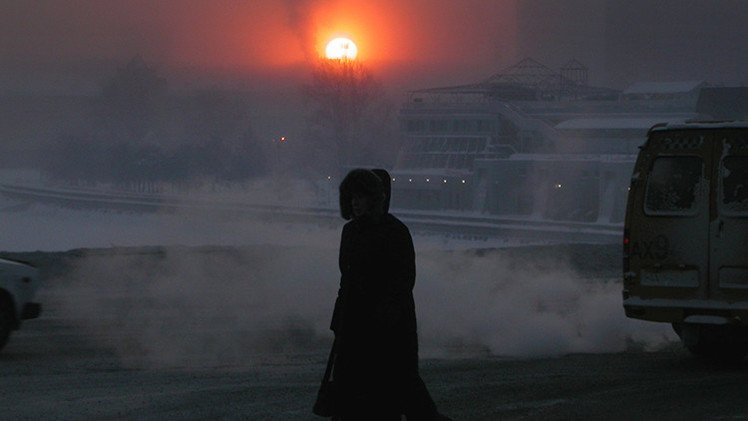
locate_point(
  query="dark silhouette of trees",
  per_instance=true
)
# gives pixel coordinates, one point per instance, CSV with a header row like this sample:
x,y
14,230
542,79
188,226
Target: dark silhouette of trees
x,y
142,135
350,121
131,104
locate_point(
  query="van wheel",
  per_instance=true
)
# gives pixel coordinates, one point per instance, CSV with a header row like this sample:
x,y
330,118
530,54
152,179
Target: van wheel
x,y
718,352
721,343
6,320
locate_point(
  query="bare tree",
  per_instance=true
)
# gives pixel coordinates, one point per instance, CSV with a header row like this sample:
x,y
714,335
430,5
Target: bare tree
x,y
132,102
348,114
142,135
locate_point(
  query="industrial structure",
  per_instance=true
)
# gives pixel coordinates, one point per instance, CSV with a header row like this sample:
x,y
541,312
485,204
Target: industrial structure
x,y
533,142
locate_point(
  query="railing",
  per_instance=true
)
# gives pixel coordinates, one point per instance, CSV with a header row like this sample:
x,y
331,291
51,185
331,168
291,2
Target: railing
x,y
472,225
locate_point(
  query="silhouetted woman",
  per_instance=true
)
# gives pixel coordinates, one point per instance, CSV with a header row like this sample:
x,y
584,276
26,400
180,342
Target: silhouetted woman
x,y
376,345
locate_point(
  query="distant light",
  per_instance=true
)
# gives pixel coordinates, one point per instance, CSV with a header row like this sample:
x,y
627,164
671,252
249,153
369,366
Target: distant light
x,y
428,180
283,138
329,177
445,181
393,178
558,186
410,180
463,181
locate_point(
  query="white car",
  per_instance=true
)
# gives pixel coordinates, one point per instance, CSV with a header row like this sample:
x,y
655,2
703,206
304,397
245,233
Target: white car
x,y
18,284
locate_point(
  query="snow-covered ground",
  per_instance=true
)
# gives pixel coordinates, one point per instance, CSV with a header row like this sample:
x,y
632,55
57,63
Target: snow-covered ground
x,y
466,300
34,226
242,331
487,301
31,226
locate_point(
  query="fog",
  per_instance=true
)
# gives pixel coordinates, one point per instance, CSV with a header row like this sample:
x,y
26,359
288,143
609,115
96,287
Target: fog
x,y
238,307
195,289
71,48
210,100
624,41
57,59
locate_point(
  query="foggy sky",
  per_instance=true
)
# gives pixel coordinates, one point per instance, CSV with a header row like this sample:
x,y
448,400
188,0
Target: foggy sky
x,y
627,41
64,45
70,46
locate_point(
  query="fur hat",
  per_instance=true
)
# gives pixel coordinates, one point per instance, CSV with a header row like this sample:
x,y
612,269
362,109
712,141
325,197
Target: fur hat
x,y
360,182
387,184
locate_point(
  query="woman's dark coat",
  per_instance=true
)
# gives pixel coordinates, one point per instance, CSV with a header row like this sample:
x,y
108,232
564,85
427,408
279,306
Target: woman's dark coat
x,y
375,366
374,319
376,352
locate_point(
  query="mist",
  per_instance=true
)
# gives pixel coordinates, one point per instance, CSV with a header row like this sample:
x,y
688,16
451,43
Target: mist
x,y
192,100
197,307
196,288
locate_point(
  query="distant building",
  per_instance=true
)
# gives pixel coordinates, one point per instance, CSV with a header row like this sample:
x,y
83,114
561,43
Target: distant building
x,y
531,142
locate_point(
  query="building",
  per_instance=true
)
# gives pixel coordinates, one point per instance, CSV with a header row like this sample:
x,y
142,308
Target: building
x,y
531,142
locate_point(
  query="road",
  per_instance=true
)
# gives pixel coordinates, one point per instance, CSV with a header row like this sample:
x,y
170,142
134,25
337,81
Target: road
x,y
52,370
241,333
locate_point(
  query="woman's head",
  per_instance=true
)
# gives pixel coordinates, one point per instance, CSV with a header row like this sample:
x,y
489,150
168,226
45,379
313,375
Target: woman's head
x,y
361,193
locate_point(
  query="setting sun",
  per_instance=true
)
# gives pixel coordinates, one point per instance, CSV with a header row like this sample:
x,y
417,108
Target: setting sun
x,y
341,49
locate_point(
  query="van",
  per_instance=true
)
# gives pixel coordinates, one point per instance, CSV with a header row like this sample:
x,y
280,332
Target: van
x,y
685,239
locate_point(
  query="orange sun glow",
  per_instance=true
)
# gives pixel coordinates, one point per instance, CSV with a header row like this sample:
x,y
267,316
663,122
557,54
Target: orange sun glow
x,y
341,49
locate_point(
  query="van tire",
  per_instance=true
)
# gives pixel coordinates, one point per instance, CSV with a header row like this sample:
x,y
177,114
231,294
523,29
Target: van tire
x,y
718,353
7,320
720,343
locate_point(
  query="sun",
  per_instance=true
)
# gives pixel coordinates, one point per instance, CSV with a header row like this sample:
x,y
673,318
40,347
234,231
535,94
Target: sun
x,y
341,49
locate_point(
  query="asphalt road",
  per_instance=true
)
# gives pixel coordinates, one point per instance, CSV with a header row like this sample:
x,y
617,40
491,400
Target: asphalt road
x,y
177,334
54,370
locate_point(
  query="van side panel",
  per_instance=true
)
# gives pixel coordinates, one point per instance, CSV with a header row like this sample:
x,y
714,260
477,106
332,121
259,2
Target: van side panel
x,y
729,240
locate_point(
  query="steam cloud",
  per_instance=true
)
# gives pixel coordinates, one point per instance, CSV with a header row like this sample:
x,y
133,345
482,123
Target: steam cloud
x,y
267,289
507,308
226,307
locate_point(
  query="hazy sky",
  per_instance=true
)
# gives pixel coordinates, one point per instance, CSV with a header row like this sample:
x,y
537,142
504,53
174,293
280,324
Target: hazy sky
x,y
627,41
71,45
68,42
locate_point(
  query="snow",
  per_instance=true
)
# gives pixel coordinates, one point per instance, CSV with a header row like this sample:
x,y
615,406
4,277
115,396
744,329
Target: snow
x,y
287,281
29,227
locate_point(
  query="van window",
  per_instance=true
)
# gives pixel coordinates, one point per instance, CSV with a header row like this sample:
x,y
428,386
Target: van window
x,y
735,185
672,186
